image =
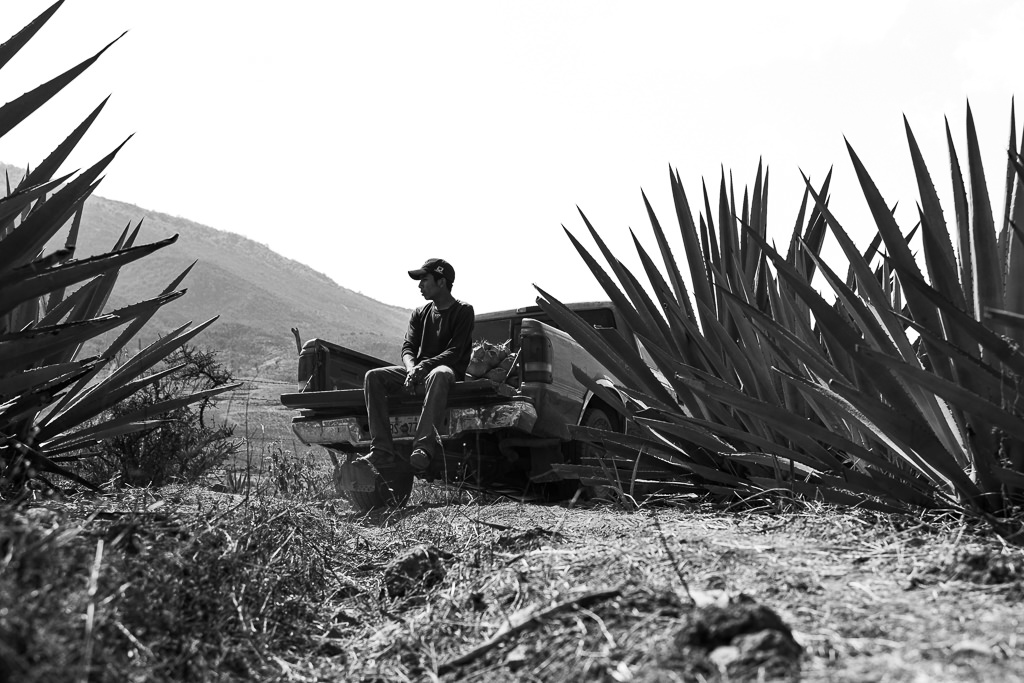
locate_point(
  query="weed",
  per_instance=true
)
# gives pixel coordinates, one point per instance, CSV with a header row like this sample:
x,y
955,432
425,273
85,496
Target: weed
x,y
303,476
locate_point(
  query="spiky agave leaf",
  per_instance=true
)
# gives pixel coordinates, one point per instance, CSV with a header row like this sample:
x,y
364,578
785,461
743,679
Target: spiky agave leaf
x,y
1013,299
43,389
23,243
984,254
22,200
29,282
17,110
93,400
11,47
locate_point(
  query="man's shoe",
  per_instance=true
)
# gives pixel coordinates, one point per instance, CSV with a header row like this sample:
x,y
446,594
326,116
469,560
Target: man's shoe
x,y
419,459
378,458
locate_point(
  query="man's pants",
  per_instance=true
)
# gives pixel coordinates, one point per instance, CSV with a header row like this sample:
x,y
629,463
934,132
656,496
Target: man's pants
x,y
383,382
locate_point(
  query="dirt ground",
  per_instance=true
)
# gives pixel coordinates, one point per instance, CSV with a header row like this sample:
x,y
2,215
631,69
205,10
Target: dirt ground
x,y
187,584
866,597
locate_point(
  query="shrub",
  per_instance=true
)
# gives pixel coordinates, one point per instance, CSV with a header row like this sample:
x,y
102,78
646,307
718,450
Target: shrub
x,y
187,443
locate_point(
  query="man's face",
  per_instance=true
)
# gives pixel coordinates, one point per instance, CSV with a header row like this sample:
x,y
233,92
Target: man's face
x,y
429,287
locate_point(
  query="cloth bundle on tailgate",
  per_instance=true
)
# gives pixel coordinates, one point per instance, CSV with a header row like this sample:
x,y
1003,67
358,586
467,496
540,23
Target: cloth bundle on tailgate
x,y
490,360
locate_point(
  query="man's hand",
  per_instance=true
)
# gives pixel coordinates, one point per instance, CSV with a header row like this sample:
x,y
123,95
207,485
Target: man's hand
x,y
410,369
414,376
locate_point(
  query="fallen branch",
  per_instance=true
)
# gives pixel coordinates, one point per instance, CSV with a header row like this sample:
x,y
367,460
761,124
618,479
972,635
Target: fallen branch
x,y
519,621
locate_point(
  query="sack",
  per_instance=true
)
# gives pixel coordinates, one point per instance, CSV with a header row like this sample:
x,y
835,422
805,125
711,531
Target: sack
x,y
500,371
486,356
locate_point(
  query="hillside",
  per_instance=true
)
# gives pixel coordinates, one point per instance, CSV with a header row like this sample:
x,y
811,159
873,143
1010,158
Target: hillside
x,y
259,294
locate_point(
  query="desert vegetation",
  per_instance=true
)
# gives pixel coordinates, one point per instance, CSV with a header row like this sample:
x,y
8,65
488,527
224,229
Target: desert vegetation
x,y
189,441
51,398
899,393
851,469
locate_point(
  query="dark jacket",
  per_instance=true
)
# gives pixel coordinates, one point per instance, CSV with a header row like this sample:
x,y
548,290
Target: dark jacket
x,y
441,337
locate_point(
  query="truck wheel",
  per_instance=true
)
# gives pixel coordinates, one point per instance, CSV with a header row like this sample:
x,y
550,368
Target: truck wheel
x,y
391,485
595,417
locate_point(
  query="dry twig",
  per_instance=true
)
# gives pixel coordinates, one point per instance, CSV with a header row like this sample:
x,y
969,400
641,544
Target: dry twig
x,y
519,621
672,559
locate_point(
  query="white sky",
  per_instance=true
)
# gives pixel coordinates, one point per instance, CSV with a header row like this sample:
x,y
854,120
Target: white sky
x,y
363,137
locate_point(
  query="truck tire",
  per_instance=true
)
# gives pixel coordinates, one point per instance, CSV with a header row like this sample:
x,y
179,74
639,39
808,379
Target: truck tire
x,y
392,486
595,417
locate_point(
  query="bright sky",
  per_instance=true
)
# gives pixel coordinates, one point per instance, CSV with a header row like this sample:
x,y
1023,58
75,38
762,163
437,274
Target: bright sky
x,y
361,138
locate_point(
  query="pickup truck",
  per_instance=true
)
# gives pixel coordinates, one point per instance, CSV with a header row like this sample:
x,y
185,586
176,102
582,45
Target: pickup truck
x,y
508,436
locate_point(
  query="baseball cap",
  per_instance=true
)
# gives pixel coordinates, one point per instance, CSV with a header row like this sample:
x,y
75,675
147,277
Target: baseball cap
x,y
438,267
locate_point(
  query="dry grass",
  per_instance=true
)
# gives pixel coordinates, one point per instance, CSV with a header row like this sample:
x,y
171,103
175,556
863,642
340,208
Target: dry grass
x,y
185,584
168,587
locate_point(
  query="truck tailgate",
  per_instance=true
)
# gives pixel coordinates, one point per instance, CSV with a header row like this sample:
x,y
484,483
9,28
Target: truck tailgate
x,y
344,400
339,417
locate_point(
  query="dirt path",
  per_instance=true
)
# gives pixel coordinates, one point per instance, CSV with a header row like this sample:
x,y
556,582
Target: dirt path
x,y
868,598
187,584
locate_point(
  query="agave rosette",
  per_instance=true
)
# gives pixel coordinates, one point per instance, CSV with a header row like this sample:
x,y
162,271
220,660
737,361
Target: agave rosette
x,y
900,390
51,400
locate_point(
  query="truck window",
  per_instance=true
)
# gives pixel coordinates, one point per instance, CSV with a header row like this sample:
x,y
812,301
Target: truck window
x,y
494,331
500,331
599,317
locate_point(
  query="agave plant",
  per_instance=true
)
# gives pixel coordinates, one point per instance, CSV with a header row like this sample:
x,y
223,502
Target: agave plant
x,y
902,391
51,401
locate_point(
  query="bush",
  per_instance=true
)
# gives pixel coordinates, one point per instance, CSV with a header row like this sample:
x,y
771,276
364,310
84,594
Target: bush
x,y
189,442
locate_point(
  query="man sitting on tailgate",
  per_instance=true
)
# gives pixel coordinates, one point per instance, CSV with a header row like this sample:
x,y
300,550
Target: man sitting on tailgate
x,y
435,353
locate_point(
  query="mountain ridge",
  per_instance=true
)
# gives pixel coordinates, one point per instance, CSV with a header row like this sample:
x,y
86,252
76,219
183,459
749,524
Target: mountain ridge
x,y
258,294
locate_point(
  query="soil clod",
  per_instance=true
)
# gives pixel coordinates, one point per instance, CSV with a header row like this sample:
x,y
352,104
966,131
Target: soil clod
x,y
987,567
522,539
415,570
739,638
